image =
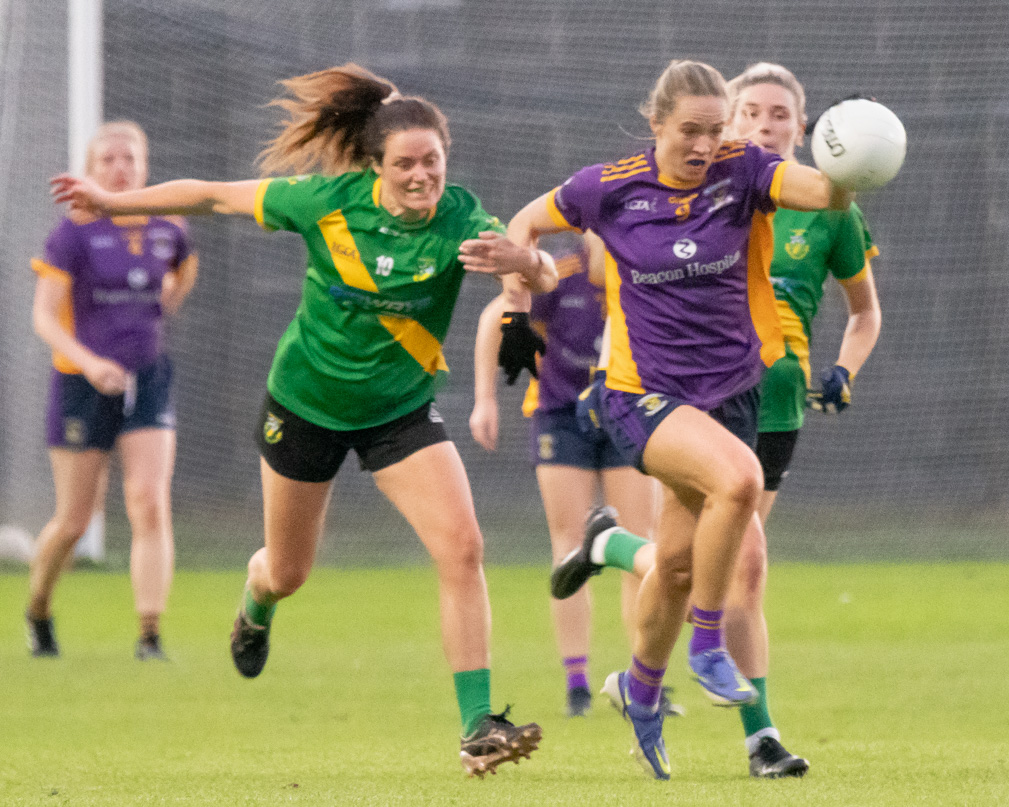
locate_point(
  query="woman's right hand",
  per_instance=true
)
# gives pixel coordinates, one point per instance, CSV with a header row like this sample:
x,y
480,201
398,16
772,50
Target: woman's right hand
x,y
83,193
483,424
106,376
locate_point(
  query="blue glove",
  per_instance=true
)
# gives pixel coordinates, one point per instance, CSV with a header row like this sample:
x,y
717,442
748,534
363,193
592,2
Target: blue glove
x,y
835,391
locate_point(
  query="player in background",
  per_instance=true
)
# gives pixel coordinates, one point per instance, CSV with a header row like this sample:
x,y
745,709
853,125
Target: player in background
x,y
104,286
687,230
768,107
572,465
388,244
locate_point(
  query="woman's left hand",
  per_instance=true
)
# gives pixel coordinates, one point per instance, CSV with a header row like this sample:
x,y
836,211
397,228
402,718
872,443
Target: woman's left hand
x,y
493,254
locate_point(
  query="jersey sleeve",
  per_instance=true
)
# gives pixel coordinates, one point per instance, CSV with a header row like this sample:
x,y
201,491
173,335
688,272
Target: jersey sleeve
x,y
765,170
61,256
543,307
575,205
290,203
481,221
852,246
183,246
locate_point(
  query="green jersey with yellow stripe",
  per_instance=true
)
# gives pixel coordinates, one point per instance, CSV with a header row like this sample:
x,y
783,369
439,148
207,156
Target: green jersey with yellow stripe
x,y
365,346
808,246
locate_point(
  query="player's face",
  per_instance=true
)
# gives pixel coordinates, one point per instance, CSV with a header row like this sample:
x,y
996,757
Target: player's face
x,y
119,164
768,114
686,139
413,173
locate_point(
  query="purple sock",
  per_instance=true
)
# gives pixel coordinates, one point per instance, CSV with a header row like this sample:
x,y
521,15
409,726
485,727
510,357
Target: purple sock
x,y
576,666
707,630
645,684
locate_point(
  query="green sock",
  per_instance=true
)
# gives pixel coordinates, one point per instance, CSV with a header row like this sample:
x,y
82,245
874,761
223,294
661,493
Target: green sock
x,y
257,613
472,690
756,716
620,549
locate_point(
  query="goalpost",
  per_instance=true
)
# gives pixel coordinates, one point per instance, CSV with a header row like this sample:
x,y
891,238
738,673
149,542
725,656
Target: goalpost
x,y
84,116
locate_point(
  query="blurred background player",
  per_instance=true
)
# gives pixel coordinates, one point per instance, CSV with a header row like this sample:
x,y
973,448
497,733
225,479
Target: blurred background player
x,y
572,465
767,106
103,288
359,365
687,230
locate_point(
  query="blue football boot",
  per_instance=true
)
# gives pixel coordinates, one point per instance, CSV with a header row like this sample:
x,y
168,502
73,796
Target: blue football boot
x,y
649,747
722,681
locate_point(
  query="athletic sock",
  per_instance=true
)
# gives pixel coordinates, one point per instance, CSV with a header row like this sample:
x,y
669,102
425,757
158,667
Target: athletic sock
x,y
707,633
645,684
257,613
616,547
756,717
472,691
576,668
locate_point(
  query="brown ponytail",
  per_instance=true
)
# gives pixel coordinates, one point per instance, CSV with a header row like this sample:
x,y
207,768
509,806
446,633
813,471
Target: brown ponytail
x,y
339,119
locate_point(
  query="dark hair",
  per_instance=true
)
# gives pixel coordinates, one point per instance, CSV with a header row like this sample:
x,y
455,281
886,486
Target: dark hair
x,y
339,120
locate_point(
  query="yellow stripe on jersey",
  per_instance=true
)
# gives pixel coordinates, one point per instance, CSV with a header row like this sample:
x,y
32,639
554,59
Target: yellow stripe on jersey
x,y
795,336
778,178
416,340
763,308
870,253
532,399
65,314
257,208
630,172
555,214
621,369
376,192
729,150
343,251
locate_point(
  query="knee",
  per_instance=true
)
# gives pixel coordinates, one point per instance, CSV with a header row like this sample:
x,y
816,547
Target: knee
x,y
66,529
742,485
146,507
460,553
674,574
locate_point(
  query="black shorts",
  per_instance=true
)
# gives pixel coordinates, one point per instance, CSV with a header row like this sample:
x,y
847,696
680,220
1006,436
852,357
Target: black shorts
x,y
300,450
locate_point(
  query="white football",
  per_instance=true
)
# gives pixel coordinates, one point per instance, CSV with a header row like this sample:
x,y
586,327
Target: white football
x,y
859,144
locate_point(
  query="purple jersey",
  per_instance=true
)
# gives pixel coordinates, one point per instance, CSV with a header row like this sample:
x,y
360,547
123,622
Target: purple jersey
x,y
115,273
574,318
687,283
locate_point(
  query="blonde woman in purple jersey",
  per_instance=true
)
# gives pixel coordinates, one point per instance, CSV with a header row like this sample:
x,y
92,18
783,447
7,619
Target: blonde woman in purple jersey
x,y
687,229
104,285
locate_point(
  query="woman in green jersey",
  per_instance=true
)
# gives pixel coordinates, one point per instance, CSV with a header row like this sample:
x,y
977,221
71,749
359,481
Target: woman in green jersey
x,y
388,245
768,106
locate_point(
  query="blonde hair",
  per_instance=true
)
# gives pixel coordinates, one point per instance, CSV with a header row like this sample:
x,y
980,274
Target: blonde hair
x,y
116,128
767,73
339,119
681,77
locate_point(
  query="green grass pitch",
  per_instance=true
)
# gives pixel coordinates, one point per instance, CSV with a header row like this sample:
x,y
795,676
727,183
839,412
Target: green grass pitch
x,y
891,679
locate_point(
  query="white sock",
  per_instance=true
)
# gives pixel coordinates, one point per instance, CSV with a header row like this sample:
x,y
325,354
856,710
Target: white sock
x,y
598,552
754,739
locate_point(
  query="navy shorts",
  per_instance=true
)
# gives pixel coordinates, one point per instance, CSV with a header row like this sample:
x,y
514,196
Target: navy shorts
x,y
557,438
630,418
79,417
298,449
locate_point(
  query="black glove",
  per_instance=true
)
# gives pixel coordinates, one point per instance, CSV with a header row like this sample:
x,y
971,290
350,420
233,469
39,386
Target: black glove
x,y
835,391
519,346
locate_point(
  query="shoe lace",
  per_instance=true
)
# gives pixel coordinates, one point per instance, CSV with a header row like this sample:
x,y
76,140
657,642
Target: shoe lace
x,y
503,716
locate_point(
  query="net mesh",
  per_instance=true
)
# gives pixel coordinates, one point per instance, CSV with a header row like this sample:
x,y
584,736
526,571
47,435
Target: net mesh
x,y
534,90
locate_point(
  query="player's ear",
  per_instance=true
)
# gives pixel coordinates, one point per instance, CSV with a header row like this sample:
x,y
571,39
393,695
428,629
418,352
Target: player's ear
x,y
376,167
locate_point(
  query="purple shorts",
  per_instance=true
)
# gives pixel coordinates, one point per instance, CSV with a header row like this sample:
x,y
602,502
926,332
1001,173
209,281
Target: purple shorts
x,y
630,418
79,417
557,438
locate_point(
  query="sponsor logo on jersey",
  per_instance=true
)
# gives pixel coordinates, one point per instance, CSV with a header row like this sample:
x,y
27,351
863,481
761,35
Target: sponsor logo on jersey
x,y
684,248
273,429
653,403
389,231
137,277
354,300
640,204
572,301
797,246
103,242
694,269
162,247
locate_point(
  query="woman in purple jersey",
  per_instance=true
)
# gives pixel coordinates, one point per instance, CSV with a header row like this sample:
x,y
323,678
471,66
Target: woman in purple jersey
x,y
571,464
103,288
687,231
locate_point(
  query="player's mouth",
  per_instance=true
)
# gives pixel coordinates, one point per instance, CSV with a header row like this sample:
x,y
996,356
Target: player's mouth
x,y
696,162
